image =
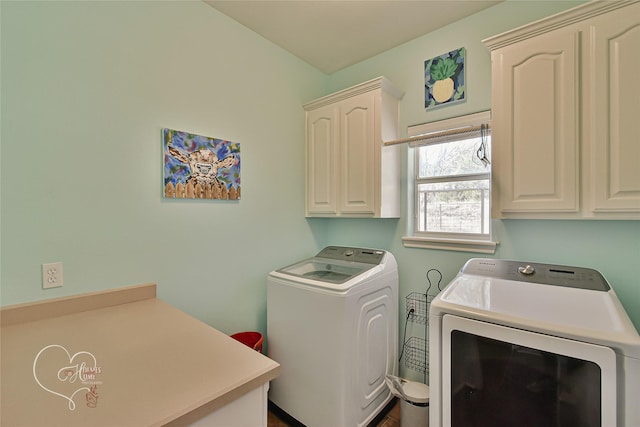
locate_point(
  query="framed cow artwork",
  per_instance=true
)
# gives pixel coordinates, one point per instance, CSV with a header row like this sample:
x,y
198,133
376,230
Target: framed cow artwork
x,y
200,167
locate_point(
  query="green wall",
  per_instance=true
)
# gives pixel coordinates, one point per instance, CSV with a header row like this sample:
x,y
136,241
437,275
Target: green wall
x,y
612,247
86,89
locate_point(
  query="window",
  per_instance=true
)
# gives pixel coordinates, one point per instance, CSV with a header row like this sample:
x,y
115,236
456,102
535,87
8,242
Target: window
x,y
451,185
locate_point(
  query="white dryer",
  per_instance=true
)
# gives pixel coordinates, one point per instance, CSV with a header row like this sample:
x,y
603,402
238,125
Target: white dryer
x,y
531,344
332,324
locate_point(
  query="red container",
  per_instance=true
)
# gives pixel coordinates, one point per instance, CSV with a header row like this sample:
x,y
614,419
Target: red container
x,y
250,339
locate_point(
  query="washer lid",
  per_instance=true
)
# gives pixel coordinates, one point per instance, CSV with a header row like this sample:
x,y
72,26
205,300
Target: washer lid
x,y
325,270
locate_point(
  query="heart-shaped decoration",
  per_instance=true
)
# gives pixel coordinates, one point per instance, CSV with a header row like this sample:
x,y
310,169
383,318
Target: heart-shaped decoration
x,y
62,374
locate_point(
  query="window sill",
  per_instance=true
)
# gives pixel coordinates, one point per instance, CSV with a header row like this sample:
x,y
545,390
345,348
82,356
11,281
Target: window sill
x,y
461,245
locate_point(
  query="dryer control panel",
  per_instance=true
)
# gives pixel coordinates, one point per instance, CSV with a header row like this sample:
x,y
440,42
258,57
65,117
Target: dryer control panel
x,y
368,256
546,274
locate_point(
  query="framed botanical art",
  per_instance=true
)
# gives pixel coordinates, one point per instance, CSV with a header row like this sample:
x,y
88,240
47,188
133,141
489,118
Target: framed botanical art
x,y
444,79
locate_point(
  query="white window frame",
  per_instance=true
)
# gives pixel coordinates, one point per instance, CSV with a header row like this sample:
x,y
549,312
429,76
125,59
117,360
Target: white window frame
x,y
419,134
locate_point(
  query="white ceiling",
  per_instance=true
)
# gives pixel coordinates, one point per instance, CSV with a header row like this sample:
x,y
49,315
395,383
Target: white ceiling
x,y
333,34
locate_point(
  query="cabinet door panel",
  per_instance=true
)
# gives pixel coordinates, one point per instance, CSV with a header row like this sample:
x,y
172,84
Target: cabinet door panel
x,y
321,161
535,137
357,150
615,145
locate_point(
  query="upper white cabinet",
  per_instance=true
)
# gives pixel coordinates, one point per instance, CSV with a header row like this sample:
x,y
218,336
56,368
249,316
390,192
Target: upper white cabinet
x,y
565,123
349,172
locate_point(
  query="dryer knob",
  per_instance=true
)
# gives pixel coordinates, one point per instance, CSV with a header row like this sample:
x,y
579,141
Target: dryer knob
x,y
527,270
348,252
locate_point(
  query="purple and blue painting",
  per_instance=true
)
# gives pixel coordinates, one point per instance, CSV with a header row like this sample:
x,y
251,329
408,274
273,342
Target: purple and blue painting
x,y
200,167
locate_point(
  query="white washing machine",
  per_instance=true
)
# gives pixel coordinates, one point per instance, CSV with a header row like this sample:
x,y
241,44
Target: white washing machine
x,y
332,324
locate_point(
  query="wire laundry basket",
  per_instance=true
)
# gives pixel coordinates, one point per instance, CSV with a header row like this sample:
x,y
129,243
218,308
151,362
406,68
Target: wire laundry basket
x,y
420,304
417,307
416,354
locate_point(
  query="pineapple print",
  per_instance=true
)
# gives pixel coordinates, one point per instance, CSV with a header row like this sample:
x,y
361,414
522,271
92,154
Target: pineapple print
x,y
441,72
444,78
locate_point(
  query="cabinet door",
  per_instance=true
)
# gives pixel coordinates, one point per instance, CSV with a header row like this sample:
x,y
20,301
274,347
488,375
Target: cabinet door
x,y
322,140
535,125
614,124
357,150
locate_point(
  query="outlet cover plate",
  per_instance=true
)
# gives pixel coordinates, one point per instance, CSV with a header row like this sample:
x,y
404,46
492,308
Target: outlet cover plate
x,y
52,275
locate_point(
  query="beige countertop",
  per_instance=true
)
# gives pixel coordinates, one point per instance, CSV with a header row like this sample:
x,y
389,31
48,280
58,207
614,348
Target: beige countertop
x,y
129,360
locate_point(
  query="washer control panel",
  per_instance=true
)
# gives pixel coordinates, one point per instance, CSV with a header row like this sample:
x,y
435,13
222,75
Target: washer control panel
x,y
546,274
368,256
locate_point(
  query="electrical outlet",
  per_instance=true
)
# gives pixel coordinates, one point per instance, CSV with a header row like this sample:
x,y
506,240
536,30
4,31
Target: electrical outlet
x,y
411,306
52,275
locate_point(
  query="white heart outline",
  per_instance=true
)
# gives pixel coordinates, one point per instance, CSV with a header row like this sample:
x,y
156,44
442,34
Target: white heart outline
x,y
72,404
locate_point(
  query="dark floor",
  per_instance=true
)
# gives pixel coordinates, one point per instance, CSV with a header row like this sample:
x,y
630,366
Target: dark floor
x,y
389,417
